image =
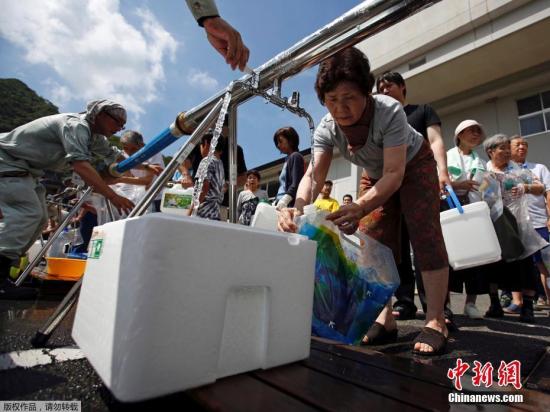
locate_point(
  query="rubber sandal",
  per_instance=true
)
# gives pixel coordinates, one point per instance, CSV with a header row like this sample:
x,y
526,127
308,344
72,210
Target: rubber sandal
x,y
451,325
513,309
378,335
431,337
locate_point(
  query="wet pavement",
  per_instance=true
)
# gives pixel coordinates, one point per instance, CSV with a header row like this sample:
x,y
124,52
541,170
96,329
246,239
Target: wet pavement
x,y
485,340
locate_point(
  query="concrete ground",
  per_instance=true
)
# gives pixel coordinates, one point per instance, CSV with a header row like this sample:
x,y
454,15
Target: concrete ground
x,y
485,340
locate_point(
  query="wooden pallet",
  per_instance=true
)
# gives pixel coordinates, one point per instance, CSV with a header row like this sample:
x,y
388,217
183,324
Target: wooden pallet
x,y
344,378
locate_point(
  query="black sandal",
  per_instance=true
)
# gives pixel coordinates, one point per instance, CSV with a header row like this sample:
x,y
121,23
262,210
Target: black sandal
x,y
431,337
494,311
449,320
378,335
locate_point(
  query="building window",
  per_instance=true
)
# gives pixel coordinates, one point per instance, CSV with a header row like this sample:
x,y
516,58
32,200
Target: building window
x,y
417,63
534,114
271,188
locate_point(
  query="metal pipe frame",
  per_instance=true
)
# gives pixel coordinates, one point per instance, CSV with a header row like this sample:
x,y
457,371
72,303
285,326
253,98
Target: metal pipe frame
x,y
365,20
361,22
177,160
233,172
53,237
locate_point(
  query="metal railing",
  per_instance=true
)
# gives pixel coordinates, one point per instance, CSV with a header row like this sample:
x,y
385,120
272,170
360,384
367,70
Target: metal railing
x,y
364,20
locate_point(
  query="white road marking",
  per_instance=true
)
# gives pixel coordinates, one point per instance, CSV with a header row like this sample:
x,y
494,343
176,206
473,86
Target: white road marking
x,y
37,357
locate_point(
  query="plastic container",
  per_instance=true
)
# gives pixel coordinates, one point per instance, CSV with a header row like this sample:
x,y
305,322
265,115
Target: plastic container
x,y
177,200
34,249
470,238
61,246
193,301
68,269
266,216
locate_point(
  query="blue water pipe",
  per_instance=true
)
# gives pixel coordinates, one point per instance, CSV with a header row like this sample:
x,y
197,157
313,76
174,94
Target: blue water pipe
x,y
162,140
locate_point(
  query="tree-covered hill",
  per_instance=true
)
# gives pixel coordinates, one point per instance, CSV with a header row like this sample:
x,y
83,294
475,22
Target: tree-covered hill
x,y
19,105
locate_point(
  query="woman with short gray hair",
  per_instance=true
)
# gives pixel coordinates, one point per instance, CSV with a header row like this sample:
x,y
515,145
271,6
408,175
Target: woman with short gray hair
x,y
493,142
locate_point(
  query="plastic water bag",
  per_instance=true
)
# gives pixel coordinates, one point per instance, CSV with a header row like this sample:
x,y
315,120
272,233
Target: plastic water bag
x,y
354,278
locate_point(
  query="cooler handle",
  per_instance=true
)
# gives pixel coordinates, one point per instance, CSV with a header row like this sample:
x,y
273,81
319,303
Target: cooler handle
x,y
452,198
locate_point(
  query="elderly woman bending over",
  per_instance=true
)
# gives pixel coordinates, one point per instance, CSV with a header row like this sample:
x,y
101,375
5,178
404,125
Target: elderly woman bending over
x,y
372,132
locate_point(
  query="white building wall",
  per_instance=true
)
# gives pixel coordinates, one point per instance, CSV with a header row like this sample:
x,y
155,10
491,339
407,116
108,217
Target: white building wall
x,y
500,115
344,176
481,56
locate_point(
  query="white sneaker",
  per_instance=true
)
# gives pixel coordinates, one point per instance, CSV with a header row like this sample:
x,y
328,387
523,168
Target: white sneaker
x,y
471,310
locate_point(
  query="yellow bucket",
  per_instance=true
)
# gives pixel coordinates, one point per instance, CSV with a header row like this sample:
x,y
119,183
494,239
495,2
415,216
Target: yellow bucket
x,y
66,269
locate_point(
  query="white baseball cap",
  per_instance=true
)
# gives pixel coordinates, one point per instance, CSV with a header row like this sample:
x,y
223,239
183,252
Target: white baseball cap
x,y
464,125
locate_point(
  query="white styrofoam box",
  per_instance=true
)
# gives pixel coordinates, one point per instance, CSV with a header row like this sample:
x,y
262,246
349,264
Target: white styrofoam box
x,y
169,302
470,238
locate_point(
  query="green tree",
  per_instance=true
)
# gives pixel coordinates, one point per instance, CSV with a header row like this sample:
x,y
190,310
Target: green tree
x,y
19,105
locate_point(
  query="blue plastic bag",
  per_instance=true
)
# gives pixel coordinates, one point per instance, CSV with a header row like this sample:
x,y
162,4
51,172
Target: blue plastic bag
x,y
354,278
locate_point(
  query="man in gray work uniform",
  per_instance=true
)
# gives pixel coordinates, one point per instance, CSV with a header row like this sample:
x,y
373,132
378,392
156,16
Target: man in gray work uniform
x,y
49,143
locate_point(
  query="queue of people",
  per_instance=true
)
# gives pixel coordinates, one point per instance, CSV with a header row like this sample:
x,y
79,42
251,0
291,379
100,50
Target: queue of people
x,y
410,167
398,145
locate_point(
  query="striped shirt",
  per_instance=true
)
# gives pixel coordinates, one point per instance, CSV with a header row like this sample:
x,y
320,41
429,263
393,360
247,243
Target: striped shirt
x,y
210,207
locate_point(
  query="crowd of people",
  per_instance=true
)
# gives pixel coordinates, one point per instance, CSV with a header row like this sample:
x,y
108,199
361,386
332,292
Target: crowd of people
x,y
405,173
401,149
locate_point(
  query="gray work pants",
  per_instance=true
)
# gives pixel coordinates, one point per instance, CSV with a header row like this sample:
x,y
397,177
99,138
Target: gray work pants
x,y
23,204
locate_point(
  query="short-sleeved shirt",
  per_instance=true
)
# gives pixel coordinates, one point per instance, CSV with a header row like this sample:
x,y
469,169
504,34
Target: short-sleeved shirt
x,y
330,204
536,203
420,117
247,203
388,128
463,167
51,143
210,207
195,157
155,160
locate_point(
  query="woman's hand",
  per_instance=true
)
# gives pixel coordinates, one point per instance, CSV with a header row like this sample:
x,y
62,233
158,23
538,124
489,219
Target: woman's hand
x,y
518,191
186,181
156,169
347,218
286,222
121,203
467,185
444,180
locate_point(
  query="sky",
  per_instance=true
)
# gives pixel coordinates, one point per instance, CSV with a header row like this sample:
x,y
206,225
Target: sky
x,y
152,57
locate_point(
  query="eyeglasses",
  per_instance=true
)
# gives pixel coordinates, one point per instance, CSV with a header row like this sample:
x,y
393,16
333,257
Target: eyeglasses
x,y
116,120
